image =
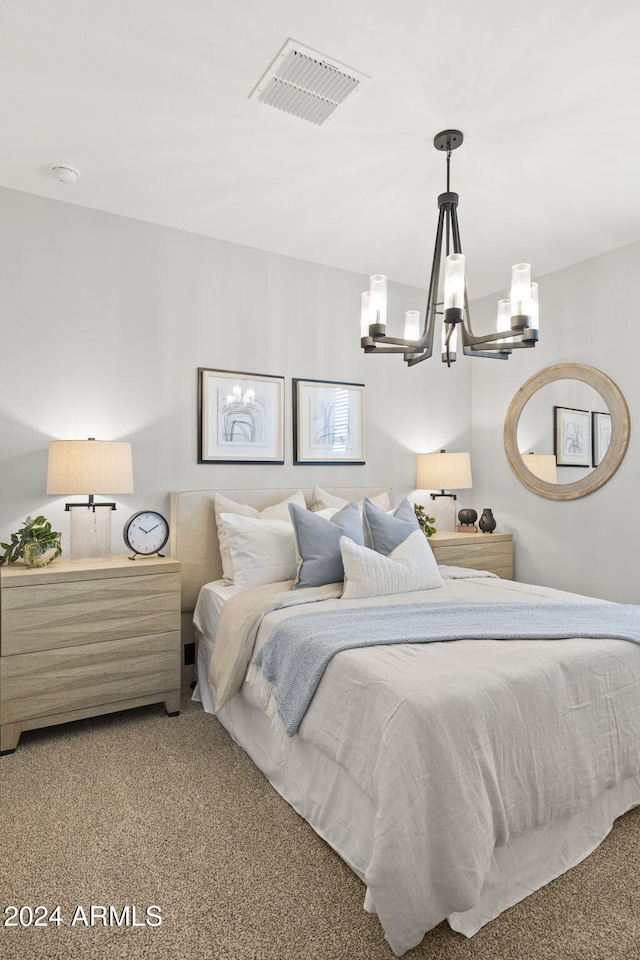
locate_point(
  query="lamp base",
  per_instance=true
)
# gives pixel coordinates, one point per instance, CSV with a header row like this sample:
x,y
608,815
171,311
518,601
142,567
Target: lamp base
x,y
90,531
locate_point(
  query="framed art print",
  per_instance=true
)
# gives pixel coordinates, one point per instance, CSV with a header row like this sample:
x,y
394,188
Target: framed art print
x,y
240,417
572,433
328,422
600,436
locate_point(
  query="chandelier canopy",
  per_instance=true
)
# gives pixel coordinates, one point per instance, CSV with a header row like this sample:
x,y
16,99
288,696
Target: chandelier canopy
x,y
517,317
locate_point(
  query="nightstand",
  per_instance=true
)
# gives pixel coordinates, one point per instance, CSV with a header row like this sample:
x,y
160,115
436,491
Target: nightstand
x,y
79,639
480,551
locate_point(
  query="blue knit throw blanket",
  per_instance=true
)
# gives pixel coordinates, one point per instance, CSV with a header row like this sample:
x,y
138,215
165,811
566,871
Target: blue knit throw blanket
x,y
296,654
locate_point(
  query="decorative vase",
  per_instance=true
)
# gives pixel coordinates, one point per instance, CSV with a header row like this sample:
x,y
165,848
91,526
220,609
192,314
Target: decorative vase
x,y
35,556
487,522
467,516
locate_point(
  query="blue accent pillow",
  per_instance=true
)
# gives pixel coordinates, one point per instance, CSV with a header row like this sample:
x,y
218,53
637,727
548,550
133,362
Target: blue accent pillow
x,y
384,531
318,542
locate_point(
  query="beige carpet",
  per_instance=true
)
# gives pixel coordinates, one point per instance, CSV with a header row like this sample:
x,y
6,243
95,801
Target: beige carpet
x,y
138,808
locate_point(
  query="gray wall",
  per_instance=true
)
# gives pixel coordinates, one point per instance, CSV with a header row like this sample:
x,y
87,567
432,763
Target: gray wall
x,y
104,321
591,545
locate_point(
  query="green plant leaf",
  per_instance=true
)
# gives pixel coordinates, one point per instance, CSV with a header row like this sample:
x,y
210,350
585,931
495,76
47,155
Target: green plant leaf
x,y
35,531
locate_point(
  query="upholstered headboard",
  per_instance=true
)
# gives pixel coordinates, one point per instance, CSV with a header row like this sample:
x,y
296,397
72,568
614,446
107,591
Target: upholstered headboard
x,y
194,537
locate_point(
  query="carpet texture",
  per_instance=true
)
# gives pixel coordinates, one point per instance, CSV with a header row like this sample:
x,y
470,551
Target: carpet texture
x,y
141,809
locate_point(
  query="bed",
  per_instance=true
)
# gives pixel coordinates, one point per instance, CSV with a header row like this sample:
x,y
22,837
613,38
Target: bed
x,y
453,778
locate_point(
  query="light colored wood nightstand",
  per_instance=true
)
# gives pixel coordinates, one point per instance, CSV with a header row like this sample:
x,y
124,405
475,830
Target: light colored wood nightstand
x,y
480,551
79,639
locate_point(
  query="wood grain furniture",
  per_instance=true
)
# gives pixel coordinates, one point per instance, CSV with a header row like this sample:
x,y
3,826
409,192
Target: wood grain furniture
x,y
79,639
480,551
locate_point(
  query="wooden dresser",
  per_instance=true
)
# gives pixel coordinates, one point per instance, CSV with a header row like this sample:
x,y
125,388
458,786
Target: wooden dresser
x,y
78,639
480,551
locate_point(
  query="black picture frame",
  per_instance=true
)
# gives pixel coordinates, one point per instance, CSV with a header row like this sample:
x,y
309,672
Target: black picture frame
x,y
338,411
572,437
249,429
600,435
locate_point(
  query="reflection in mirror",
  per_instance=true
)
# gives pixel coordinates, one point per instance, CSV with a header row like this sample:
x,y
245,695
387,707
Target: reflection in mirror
x,y
566,431
542,465
557,422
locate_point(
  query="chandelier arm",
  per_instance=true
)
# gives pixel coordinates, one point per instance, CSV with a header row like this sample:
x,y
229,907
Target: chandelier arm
x,y
473,351
455,230
468,336
425,343
447,232
398,340
401,349
470,339
423,356
426,340
490,354
523,345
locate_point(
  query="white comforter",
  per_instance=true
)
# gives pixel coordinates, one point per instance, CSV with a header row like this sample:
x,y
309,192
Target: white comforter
x,y
465,745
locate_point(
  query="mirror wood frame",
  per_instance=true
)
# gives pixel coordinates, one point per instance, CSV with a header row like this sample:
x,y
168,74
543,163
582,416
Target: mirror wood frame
x,y
620,430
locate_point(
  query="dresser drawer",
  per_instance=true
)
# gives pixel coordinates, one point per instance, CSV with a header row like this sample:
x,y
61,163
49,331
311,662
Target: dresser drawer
x,y
47,616
75,678
485,554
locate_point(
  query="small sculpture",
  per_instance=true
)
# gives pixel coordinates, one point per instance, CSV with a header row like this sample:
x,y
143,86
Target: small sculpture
x,y
487,522
467,520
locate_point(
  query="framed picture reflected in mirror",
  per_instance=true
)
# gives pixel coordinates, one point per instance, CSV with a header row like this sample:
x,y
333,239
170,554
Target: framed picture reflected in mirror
x,y
572,437
600,435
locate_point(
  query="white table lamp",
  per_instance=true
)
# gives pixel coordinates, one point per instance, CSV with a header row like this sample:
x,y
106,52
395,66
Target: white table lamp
x,y
89,467
443,471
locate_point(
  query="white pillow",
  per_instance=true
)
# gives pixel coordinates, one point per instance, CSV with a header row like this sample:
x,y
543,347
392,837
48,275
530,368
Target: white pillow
x,y
321,500
327,513
279,511
410,567
262,551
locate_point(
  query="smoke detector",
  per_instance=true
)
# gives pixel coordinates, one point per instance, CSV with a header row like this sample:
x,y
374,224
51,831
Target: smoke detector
x,y
307,84
64,172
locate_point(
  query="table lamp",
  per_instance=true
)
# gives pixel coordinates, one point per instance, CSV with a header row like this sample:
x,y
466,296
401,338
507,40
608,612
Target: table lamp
x,y
439,471
543,465
89,467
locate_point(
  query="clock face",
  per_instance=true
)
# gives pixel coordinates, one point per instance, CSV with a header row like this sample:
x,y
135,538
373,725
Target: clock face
x,y
146,532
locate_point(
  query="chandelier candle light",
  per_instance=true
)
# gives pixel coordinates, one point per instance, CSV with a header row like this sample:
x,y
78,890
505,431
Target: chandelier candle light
x,y
517,321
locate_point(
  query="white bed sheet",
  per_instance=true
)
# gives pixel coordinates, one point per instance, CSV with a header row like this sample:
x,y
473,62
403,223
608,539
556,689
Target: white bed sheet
x,y
211,600
340,812
214,595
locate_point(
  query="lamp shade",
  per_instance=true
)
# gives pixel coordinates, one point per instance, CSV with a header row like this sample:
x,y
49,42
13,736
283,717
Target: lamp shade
x,y
543,465
443,471
89,467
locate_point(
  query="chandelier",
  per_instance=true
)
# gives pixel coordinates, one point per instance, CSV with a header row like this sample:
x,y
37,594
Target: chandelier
x,y
517,319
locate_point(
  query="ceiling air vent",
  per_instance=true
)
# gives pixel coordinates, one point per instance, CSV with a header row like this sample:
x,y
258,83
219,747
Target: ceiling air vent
x,y
307,84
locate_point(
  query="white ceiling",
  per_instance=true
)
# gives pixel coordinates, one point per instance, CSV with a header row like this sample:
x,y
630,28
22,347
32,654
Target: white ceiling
x,y
149,98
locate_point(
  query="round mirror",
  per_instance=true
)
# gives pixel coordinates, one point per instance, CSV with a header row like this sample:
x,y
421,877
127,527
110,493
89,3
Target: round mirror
x,y
566,431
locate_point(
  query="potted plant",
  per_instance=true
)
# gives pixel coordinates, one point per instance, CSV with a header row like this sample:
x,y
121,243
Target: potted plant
x,y
35,543
426,523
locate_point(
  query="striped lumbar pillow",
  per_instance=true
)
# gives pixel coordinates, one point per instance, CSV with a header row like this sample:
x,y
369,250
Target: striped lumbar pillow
x,y
410,567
